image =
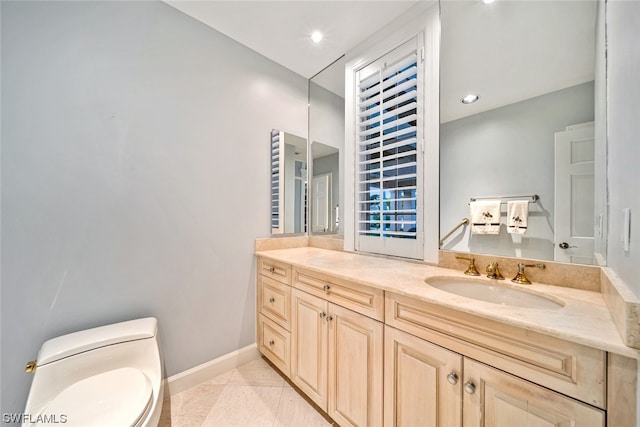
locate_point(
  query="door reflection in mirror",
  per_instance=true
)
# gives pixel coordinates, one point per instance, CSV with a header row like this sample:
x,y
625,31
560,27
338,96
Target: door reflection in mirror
x,y
288,183
325,184
534,66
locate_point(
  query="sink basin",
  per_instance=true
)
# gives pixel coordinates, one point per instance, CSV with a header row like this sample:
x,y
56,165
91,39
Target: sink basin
x,y
496,293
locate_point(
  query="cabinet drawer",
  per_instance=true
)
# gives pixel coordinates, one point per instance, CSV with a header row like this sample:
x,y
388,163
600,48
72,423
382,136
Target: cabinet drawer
x,y
359,298
569,368
275,270
274,301
274,343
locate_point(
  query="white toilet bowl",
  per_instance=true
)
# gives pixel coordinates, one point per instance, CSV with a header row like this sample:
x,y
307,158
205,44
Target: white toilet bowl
x,y
106,376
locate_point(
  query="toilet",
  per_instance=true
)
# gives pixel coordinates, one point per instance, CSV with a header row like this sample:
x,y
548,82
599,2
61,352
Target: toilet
x,y
105,376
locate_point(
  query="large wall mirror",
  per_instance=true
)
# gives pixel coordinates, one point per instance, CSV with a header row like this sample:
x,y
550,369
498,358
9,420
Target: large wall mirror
x,y
533,133
326,137
288,183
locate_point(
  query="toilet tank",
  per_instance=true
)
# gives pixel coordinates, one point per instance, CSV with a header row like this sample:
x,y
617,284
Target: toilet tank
x,y
91,339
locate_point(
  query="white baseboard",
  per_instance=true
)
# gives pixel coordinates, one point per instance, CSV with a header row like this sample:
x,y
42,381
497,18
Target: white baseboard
x,y
209,370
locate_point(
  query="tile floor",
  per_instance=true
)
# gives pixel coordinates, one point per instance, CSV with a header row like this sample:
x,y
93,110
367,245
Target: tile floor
x,y
252,395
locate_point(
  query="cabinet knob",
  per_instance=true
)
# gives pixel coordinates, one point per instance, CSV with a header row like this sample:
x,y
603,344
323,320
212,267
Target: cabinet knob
x,y
326,288
272,269
329,318
272,300
469,387
272,342
452,378
323,315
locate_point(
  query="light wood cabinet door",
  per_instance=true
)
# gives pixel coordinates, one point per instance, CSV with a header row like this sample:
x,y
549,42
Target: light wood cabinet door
x,y
495,399
309,346
422,382
355,368
274,343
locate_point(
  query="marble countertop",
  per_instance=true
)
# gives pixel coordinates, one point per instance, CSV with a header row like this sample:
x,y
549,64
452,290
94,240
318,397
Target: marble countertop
x,y
584,319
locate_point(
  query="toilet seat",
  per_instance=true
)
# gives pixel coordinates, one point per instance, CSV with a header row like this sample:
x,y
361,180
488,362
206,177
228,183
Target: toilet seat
x,y
121,397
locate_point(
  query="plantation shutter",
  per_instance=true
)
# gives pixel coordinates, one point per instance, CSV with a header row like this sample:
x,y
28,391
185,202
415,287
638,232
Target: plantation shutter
x,y
389,154
277,182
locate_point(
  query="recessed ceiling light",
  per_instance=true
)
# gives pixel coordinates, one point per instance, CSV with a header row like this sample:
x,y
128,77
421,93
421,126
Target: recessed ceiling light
x,y
488,1
470,99
316,36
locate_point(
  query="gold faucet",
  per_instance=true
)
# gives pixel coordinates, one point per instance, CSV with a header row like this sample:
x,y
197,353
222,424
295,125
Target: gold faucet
x,y
493,272
520,277
471,269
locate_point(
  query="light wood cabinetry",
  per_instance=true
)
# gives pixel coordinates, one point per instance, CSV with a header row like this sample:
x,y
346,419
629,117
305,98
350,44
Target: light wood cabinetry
x,y
309,327
572,369
369,357
424,386
423,382
275,270
495,399
354,296
273,301
337,359
355,368
274,343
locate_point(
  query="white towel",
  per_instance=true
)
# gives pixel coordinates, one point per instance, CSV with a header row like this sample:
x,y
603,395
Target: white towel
x,y
485,217
517,216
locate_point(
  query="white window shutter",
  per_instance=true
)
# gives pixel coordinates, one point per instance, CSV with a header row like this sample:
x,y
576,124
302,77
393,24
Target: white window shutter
x,y
277,181
389,155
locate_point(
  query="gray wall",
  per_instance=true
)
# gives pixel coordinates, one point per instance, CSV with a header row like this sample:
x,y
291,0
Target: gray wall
x,y
135,177
623,69
507,151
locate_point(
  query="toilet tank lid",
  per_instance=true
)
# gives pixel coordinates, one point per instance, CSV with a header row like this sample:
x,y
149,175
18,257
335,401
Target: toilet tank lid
x,y
90,339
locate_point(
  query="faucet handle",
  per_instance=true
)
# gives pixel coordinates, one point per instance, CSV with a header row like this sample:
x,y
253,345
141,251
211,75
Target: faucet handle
x,y
521,278
471,269
493,272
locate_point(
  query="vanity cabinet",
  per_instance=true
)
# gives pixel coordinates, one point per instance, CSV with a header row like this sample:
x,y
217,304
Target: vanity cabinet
x,y
429,386
446,343
274,312
572,369
369,357
337,359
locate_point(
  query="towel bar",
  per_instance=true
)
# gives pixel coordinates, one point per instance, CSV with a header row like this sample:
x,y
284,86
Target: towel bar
x,y
534,198
458,225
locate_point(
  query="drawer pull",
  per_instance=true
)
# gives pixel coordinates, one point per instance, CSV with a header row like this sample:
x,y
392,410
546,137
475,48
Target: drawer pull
x,y
272,269
469,387
272,300
323,315
452,378
272,342
326,288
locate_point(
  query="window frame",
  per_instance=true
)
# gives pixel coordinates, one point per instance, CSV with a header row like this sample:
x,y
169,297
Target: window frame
x,y
421,18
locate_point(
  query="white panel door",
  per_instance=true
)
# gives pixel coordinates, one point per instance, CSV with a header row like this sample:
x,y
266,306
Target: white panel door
x,y
574,194
321,193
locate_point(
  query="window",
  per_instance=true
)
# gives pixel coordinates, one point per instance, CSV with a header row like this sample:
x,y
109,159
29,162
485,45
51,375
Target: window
x,y
389,153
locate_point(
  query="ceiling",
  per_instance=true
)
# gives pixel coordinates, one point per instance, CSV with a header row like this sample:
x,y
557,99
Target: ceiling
x,y
509,51
281,30
505,52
